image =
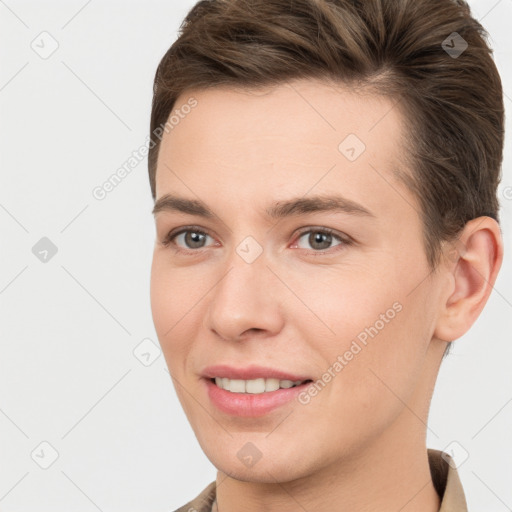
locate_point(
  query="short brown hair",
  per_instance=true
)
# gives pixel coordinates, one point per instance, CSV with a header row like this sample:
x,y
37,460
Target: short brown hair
x,y
452,104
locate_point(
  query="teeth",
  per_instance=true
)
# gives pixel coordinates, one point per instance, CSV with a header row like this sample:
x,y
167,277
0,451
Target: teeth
x,y
271,384
237,386
254,386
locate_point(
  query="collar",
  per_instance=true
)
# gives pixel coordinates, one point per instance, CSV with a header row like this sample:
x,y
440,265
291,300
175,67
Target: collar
x,y
442,468
447,482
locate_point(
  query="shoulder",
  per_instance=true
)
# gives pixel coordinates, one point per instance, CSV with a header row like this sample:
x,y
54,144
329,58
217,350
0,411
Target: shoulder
x,y
202,502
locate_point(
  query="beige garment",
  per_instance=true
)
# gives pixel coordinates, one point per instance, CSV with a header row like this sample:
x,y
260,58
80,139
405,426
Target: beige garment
x,y
444,475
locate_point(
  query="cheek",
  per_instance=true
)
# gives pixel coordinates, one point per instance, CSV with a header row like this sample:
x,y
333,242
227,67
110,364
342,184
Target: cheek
x,y
174,294
376,338
161,299
352,303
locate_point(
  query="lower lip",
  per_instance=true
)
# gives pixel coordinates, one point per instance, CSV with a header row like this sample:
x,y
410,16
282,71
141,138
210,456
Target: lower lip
x,y
249,404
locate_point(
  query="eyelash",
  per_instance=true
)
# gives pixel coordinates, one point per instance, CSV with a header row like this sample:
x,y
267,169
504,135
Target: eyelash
x,y
344,239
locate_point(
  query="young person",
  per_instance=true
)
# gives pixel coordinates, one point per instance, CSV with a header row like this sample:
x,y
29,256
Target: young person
x,y
325,177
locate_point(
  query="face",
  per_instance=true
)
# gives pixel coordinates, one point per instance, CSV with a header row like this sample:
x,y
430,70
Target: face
x,y
287,250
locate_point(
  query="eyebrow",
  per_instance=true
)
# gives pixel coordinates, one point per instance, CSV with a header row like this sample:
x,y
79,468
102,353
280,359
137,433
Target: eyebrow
x,y
279,210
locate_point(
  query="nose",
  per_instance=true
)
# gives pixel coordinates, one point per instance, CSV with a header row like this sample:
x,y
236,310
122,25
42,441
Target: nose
x,y
246,301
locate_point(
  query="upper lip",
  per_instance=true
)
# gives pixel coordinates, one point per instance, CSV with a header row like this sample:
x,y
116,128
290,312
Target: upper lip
x,y
249,373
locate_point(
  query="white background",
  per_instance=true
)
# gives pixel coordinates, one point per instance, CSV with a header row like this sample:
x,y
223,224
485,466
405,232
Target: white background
x,y
68,327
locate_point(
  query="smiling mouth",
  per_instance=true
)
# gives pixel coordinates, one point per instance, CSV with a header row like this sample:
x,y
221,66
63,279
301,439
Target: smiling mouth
x,y
255,386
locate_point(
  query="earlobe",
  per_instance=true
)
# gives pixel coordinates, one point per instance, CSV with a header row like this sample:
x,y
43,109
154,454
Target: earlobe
x,y
474,261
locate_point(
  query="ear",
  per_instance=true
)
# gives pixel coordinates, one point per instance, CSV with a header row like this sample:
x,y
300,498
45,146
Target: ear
x,y
473,263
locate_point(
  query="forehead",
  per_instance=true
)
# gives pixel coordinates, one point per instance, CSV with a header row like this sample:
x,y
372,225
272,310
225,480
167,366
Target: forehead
x,y
309,109
286,138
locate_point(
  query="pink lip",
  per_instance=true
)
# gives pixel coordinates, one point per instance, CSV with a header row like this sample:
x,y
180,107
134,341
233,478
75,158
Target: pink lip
x,y
247,404
250,405
248,373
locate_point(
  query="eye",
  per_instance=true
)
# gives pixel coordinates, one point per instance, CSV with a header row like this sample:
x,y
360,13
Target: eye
x,y
193,239
320,239
187,239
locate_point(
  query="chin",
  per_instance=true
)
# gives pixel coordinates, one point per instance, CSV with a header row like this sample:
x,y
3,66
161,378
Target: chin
x,y
262,472
259,461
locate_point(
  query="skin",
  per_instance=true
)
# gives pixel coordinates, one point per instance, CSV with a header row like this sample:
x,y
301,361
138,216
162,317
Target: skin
x,y
360,444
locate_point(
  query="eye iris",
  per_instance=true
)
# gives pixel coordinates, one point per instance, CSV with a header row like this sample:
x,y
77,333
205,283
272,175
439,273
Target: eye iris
x,y
194,239
317,237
